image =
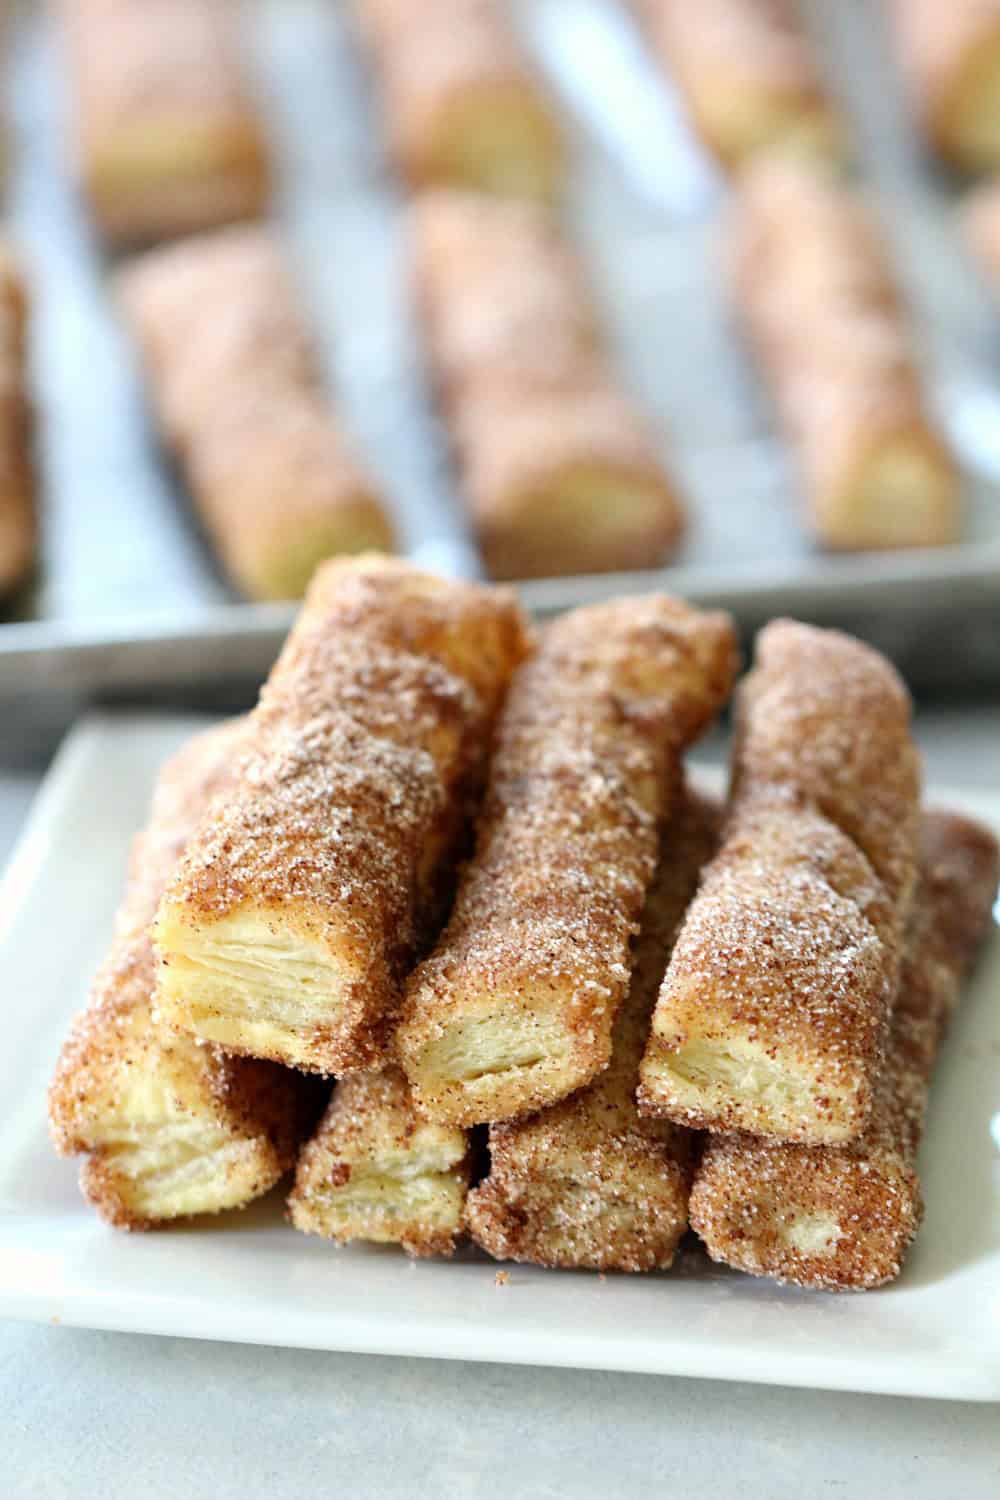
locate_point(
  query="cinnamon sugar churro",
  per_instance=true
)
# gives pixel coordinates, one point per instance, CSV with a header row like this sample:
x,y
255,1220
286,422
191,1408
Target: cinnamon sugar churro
x,y
588,1182
814,289
288,926
167,1127
240,399
843,1218
168,138
773,1013
18,524
463,106
375,1170
748,76
559,471
951,57
515,1007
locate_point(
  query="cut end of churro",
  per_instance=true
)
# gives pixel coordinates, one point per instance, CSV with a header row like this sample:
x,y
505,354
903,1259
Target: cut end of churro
x,y
375,1171
904,491
498,139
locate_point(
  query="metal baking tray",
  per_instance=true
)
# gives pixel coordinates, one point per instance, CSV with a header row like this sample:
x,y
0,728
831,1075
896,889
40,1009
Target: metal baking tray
x,y
128,600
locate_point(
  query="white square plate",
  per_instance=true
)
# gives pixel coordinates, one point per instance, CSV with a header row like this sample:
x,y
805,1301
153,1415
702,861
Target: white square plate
x,y
250,1278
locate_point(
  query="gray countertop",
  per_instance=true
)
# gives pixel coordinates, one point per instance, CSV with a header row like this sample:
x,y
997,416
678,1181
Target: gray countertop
x,y
118,1415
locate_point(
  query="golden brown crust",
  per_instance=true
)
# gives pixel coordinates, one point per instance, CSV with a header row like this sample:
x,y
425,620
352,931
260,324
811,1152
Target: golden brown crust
x,y
951,56
589,1182
18,524
748,76
167,137
463,106
368,743
815,291
515,1007
558,467
251,1115
773,1012
843,1219
240,399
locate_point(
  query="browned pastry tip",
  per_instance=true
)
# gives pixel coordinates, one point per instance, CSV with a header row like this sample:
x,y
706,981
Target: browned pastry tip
x,y
842,1218
306,893
951,57
18,519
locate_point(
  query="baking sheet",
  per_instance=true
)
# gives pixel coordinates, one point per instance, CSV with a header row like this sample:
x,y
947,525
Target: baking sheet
x,y
128,596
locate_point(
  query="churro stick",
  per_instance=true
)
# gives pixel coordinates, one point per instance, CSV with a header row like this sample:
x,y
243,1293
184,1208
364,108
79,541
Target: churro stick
x,y
843,1217
18,526
950,55
167,137
515,1007
376,1170
167,1128
239,395
773,1013
463,105
815,291
557,466
306,892
588,1182
748,76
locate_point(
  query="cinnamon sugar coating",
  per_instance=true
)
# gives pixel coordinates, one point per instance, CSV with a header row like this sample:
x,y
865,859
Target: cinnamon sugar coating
x,y
167,136
843,1218
748,76
240,399
773,1013
167,1128
462,103
18,522
308,890
559,469
589,1182
514,1009
815,291
951,57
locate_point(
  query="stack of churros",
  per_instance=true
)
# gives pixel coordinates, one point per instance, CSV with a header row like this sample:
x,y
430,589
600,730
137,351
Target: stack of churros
x,y
814,289
239,394
167,137
18,525
558,468
457,865
462,104
950,54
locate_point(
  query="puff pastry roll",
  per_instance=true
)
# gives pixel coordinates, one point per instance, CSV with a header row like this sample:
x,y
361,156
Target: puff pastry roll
x,y
588,1182
747,73
773,1013
167,137
166,1127
558,469
239,396
463,106
950,55
515,1007
843,1218
815,292
304,895
376,1170
18,524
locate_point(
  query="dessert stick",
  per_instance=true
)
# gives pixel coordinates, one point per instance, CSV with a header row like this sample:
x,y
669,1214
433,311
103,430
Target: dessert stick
x,y
842,1218
376,1170
558,468
813,288
514,1009
748,76
306,893
462,103
589,1182
18,523
167,137
773,1013
239,396
950,55
167,1128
